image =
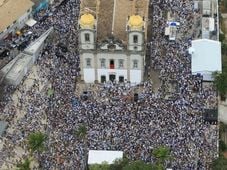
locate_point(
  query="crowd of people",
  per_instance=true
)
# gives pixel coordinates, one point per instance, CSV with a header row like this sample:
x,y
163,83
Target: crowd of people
x,y
113,120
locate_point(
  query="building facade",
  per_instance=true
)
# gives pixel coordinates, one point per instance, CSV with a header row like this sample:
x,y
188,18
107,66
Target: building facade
x,y
112,38
112,59
13,15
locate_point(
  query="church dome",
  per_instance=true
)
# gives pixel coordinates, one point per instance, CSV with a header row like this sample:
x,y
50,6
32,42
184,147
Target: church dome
x,y
135,22
87,21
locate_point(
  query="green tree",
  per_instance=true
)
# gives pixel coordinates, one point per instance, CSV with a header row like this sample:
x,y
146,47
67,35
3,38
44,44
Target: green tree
x,y
119,164
25,165
222,146
220,82
220,163
36,141
225,3
161,153
224,49
81,132
138,165
222,127
222,37
102,166
159,166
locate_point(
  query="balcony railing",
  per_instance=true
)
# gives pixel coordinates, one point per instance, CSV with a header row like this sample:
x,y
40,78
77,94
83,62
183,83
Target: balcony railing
x,y
111,66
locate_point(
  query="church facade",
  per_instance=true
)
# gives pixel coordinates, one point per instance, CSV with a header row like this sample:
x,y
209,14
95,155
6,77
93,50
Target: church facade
x,y
112,58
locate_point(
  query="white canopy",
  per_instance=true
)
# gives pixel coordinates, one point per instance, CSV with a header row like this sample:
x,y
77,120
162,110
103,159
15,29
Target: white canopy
x,y
100,156
206,57
30,22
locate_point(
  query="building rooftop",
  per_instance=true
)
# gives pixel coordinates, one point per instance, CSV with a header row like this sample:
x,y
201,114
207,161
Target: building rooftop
x,y
24,60
19,66
11,10
125,8
206,56
100,156
35,45
112,16
8,66
104,19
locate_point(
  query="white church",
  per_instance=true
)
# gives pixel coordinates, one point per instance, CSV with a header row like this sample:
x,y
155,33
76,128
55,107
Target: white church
x,y
112,42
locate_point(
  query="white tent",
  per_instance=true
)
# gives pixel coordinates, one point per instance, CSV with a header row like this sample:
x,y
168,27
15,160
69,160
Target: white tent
x,y
100,156
206,57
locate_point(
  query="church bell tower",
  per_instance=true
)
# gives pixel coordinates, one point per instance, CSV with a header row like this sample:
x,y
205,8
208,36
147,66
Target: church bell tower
x,y
87,28
135,29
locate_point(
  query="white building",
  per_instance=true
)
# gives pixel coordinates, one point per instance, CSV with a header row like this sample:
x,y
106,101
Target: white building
x,y
100,156
112,41
206,58
13,15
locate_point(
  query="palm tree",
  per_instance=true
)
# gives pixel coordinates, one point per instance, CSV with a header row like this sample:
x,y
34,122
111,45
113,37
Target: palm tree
x,y
25,165
81,131
36,141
